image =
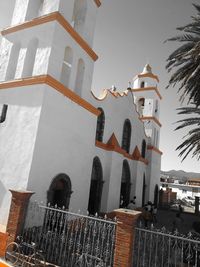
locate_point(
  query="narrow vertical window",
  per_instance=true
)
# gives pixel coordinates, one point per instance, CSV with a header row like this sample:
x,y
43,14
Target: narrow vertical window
x,y
126,136
143,149
13,60
3,113
79,76
67,66
142,84
79,15
100,126
30,58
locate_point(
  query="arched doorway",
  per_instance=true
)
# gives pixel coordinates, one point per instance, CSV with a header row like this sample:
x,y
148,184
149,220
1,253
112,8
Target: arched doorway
x,y
125,185
96,186
60,191
143,191
156,191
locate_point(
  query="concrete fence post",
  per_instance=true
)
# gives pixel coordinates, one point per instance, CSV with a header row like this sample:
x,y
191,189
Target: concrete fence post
x,y
125,233
18,208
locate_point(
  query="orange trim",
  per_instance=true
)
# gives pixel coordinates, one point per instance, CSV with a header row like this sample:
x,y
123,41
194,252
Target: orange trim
x,y
113,145
60,19
4,264
148,89
151,118
98,3
155,149
47,79
149,75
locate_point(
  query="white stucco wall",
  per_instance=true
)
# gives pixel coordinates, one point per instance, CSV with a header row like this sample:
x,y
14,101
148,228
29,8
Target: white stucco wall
x,y
64,144
18,134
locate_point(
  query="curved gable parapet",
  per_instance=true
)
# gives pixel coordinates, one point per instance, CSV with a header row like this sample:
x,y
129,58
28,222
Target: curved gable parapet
x,y
104,93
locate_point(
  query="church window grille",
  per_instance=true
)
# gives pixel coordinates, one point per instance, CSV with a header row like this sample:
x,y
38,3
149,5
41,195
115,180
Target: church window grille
x,y
126,136
143,148
100,126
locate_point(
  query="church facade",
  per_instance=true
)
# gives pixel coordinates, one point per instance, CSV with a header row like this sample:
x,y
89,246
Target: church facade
x,y
59,140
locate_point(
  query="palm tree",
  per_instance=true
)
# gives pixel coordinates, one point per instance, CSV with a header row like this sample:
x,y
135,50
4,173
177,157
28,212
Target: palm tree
x,y
192,139
185,61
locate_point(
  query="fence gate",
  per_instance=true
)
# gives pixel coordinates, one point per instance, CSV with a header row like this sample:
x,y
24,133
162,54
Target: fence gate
x,y
159,248
67,238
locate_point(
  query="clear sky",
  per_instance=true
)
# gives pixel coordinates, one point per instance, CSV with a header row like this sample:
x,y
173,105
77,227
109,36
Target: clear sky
x,y
130,33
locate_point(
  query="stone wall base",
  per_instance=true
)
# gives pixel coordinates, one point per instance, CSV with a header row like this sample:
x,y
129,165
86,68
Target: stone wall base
x,y
3,243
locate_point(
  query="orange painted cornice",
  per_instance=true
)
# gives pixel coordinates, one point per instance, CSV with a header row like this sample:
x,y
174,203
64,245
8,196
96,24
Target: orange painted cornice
x,y
98,2
47,79
148,89
147,118
55,16
113,145
154,149
148,75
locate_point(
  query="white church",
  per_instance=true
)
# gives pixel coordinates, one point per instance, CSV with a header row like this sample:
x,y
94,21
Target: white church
x,y
59,139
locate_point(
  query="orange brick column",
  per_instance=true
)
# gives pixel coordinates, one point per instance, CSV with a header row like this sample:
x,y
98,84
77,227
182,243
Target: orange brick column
x,y
3,243
124,242
17,213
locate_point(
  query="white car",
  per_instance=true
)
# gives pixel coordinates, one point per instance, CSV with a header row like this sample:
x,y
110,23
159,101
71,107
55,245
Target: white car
x,y
189,200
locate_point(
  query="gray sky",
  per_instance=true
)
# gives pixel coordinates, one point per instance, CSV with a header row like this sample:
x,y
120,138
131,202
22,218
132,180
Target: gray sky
x,y
130,33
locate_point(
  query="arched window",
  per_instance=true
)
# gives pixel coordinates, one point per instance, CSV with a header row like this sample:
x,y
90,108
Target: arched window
x,y
79,76
143,149
125,185
79,15
67,66
60,191
13,60
142,84
100,125
34,9
96,187
126,137
30,58
144,191
141,103
156,191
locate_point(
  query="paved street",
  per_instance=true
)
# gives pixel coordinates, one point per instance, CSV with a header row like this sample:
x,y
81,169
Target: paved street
x,y
166,218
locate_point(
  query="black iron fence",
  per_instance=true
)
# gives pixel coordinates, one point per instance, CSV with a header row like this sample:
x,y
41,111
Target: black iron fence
x,y
69,239
159,248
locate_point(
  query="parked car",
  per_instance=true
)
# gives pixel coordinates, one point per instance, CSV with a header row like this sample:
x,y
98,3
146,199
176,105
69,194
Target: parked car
x,y
189,200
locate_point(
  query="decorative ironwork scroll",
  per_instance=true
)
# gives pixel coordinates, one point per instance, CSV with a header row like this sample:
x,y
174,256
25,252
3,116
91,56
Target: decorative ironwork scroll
x,y
68,238
159,248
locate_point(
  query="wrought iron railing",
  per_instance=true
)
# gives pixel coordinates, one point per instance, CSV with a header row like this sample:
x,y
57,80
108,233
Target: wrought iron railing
x,y
159,248
65,236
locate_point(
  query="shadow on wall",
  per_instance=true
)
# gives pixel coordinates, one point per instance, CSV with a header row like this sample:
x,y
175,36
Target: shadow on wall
x,y
3,192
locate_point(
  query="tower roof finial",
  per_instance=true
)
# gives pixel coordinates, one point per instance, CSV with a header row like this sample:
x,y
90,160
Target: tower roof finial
x,y
147,69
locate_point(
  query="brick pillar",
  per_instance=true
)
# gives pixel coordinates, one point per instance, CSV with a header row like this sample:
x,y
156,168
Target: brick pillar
x,y
18,207
125,233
